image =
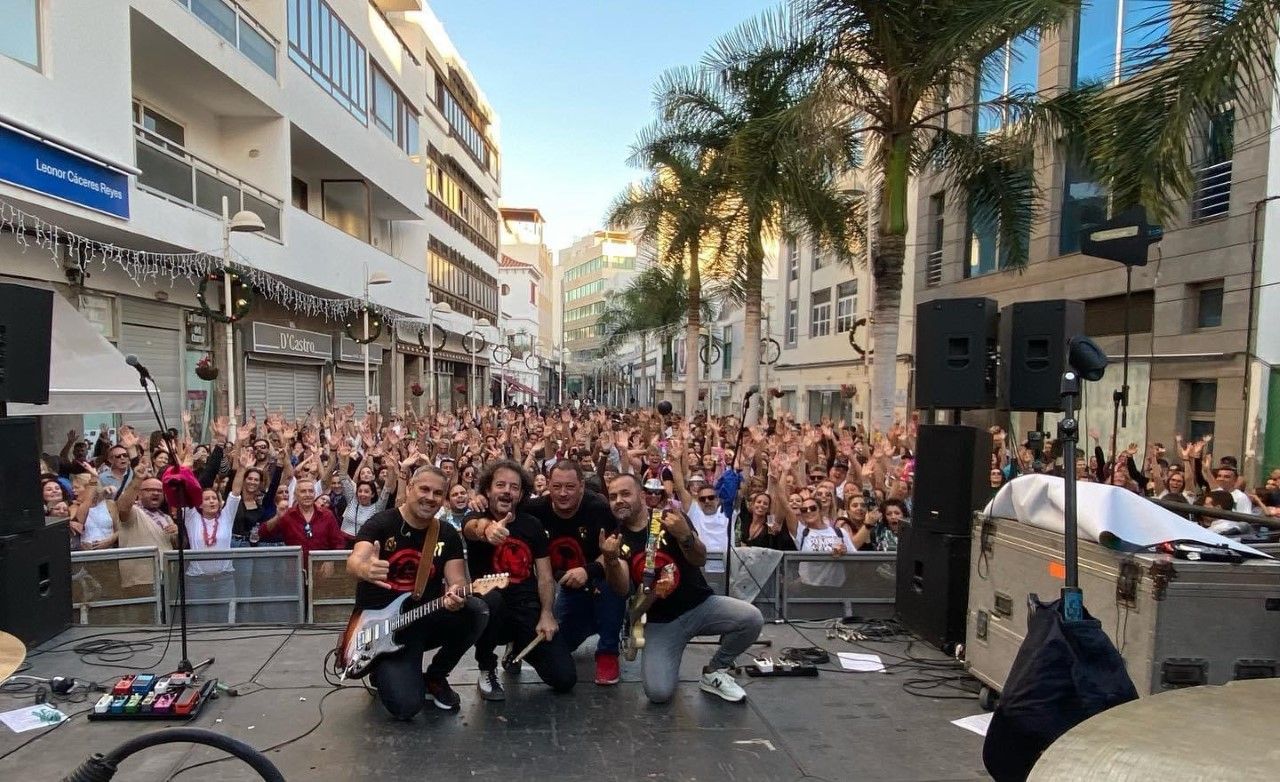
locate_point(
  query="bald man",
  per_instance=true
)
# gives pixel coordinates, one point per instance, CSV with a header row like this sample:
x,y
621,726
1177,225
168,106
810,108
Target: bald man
x,y
143,522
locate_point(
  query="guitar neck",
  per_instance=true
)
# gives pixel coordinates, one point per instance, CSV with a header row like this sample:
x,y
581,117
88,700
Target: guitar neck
x,y
414,614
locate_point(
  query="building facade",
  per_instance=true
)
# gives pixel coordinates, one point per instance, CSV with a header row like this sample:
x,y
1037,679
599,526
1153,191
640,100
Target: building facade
x,y
1199,363
588,272
352,129
523,240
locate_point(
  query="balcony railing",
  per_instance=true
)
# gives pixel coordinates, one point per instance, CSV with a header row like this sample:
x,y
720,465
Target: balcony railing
x,y
1213,191
933,269
460,225
229,20
173,173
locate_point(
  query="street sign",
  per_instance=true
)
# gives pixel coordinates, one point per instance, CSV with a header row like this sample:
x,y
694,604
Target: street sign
x,y
1124,238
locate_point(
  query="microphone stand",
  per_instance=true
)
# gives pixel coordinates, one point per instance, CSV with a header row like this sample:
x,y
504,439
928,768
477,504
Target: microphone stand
x,y
1068,435
737,495
184,665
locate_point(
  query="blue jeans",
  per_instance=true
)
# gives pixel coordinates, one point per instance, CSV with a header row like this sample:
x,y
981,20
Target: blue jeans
x,y
596,610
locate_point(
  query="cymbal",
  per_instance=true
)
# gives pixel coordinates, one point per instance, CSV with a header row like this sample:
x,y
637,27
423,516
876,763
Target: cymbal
x,y
1194,733
12,653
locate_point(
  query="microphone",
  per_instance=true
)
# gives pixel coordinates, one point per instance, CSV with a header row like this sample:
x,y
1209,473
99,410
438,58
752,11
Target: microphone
x,y
746,400
133,361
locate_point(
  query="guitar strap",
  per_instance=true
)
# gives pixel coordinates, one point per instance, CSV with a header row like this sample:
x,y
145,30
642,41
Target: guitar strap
x,y
428,555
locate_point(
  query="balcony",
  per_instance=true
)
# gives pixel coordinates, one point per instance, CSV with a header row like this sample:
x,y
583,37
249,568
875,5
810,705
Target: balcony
x,y
933,269
173,173
229,20
1212,197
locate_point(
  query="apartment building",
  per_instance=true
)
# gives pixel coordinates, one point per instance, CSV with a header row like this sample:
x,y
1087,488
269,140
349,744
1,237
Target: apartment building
x,y
351,128
1199,362
589,271
524,242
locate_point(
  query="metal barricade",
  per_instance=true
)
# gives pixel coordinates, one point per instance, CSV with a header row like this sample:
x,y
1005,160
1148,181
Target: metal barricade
x,y
766,598
118,586
819,586
331,595
240,585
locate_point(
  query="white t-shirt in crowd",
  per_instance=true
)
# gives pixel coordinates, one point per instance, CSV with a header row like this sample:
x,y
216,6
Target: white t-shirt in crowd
x,y
822,541
219,530
98,524
713,531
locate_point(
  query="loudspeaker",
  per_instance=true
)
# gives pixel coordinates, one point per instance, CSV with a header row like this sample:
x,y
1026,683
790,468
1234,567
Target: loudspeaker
x,y
956,354
1033,341
952,478
21,506
35,583
933,585
26,317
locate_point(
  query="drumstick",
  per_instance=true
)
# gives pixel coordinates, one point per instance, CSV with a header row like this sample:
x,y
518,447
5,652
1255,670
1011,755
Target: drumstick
x,y
537,639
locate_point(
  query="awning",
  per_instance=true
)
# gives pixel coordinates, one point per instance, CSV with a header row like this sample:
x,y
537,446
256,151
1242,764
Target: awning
x,y
86,372
516,385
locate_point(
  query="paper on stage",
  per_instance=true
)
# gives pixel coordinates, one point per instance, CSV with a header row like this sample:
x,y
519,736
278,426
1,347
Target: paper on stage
x,y
31,718
867,663
978,723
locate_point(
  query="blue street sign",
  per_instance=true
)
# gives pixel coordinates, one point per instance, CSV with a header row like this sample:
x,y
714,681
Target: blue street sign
x,y
44,168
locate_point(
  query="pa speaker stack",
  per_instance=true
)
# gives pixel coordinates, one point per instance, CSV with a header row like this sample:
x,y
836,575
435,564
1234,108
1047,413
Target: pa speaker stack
x,y
35,558
970,355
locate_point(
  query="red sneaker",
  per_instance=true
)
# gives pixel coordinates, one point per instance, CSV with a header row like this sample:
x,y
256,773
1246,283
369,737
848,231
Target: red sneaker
x,y
607,668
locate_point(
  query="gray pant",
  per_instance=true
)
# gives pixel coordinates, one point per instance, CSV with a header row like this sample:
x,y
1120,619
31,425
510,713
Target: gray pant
x,y
737,623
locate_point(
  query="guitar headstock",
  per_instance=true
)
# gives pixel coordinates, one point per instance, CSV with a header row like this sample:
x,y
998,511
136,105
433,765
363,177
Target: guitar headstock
x,y
482,586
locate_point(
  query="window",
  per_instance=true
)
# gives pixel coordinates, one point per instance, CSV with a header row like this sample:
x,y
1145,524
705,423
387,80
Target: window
x,y
726,340
1084,203
582,291
583,269
819,258
980,253
346,206
820,313
20,33
793,322
846,305
465,128
1011,69
1201,402
586,311
1209,306
505,289
533,293
937,213
392,114
461,282
793,259
324,47
1212,197
1105,315
460,202
298,193
160,127
1102,55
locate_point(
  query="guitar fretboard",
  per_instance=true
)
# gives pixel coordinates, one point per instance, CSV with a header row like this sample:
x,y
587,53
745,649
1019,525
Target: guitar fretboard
x,y
414,614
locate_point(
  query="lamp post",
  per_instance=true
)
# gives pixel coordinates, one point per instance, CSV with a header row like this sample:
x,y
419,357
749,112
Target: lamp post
x,y
561,351
476,325
433,307
244,221
377,278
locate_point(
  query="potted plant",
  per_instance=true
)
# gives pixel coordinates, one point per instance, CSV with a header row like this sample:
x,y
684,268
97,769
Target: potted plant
x,y
848,390
415,388
702,394
461,388
776,393
205,370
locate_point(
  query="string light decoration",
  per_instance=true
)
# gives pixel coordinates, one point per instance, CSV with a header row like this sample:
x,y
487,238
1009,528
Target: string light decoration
x,y
241,298
355,321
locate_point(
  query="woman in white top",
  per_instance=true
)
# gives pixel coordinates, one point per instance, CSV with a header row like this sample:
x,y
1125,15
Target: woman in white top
x,y
208,528
363,497
94,513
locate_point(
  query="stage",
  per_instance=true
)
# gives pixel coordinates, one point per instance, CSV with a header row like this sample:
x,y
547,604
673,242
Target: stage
x,y
840,725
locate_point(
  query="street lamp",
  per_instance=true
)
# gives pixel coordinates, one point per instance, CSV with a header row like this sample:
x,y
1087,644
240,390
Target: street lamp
x,y
377,278
443,308
244,222
476,325
563,351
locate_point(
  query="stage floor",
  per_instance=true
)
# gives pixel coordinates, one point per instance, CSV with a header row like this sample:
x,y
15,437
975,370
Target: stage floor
x,y
839,726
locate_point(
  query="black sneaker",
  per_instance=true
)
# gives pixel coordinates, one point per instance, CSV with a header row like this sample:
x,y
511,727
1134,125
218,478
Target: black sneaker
x,y
490,687
442,695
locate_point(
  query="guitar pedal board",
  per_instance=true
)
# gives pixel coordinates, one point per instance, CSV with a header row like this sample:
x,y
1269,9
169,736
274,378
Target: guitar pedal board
x,y
769,667
146,696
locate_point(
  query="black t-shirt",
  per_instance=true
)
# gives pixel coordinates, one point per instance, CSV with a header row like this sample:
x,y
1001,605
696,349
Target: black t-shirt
x,y
526,543
401,546
691,586
780,540
575,541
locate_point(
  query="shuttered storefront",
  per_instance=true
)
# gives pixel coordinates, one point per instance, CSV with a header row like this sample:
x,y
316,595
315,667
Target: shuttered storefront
x,y
152,332
348,386
289,389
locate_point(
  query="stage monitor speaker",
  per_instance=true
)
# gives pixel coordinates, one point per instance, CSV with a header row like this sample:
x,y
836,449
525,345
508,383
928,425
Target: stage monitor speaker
x,y
933,585
35,583
26,317
956,354
21,506
1033,340
952,477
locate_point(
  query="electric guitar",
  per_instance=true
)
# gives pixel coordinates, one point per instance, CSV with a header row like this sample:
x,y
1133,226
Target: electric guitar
x,y
371,633
638,607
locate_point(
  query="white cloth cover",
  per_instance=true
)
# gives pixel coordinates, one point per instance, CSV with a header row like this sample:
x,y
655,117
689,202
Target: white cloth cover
x,y
1110,515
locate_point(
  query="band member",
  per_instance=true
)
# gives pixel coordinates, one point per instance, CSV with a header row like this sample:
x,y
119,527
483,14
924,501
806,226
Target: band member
x,y
506,540
591,599
685,606
386,559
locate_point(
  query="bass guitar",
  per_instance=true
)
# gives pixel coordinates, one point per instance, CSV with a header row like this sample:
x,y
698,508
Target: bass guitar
x,y
371,633
633,632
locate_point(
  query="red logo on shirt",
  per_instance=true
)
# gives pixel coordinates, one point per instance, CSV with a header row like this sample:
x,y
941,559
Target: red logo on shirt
x,y
661,560
514,557
402,569
566,554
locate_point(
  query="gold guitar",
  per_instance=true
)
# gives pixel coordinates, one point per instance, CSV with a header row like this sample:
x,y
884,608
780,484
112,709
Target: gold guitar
x,y
638,607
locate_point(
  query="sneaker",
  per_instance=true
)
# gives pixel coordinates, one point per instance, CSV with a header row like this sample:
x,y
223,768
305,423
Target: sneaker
x,y
442,695
490,687
509,663
607,668
719,682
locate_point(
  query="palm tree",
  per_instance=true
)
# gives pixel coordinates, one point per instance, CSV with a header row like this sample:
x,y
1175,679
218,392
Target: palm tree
x,y
744,113
677,209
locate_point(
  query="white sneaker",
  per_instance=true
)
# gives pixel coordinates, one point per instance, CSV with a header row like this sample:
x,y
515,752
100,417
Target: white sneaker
x,y
720,683
490,687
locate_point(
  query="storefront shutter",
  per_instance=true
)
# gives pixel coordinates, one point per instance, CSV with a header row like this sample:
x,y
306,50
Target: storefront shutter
x,y
289,389
348,387
150,331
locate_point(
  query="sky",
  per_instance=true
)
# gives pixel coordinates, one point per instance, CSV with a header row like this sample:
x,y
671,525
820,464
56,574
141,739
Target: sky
x,y
572,83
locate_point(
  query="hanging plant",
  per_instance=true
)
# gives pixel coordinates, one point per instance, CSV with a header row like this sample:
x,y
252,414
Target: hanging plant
x,y
241,297
205,370
354,324
461,388
776,393
848,390
415,388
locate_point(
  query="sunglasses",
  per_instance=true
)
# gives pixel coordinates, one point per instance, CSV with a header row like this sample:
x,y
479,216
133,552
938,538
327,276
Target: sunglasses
x,y
810,509
708,498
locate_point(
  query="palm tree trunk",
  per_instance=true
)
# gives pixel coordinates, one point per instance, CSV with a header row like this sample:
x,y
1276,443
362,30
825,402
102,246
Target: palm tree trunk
x,y
751,313
886,274
668,368
693,327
